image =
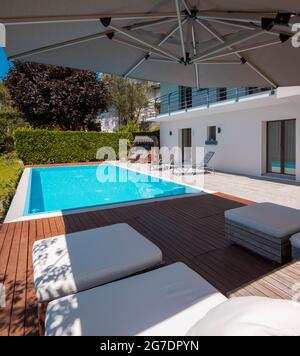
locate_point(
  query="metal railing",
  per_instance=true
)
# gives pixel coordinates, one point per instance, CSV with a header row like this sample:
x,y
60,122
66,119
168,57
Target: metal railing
x,y
186,99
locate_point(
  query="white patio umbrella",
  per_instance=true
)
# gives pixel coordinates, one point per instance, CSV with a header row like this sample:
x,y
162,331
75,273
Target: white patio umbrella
x,y
205,43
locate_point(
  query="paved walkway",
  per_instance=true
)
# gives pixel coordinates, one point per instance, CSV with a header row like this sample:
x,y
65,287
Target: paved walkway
x,y
251,188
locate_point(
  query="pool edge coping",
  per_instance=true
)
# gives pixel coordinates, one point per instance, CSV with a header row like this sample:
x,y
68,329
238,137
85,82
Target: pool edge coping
x,y
17,207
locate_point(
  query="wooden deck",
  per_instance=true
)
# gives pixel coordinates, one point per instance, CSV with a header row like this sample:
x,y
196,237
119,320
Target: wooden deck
x,y
190,230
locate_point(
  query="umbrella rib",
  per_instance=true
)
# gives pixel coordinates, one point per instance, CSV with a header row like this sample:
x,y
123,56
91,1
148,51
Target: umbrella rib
x,y
93,17
187,7
229,44
250,18
180,30
242,26
85,39
143,42
194,40
247,17
189,36
137,46
164,40
57,46
250,26
246,49
152,59
220,62
248,62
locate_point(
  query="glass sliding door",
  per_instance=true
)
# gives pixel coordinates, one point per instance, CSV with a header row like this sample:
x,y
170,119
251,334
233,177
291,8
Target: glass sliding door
x,y
186,145
274,147
282,147
290,147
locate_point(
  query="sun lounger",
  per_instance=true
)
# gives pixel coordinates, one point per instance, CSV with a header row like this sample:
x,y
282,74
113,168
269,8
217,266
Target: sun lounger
x,y
72,263
165,302
157,163
203,167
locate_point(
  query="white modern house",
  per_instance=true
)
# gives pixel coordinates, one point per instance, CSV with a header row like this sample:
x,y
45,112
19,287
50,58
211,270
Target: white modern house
x,y
252,131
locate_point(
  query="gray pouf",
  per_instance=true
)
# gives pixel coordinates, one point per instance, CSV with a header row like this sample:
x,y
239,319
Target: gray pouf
x,y
295,242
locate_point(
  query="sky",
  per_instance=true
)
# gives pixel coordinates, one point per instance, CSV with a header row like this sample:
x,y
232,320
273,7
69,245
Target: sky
x,y
4,64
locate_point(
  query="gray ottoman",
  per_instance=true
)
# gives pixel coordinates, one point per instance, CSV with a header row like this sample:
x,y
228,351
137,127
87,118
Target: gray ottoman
x,y
295,241
265,229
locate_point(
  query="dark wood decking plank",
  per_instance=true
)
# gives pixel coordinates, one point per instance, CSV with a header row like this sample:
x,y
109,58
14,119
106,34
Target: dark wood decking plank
x,y
40,230
46,228
31,311
5,252
10,278
53,227
17,324
3,232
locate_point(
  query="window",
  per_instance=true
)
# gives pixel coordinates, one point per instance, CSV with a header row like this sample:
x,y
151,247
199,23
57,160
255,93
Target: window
x,y
186,97
251,90
221,94
211,135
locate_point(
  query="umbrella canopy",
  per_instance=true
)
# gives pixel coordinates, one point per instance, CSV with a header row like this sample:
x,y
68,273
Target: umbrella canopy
x,y
200,43
150,140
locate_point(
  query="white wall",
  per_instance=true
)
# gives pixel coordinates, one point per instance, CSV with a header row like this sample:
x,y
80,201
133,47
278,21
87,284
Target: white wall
x,y
242,143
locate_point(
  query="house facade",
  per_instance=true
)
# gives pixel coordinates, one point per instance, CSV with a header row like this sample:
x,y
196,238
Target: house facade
x,y
252,131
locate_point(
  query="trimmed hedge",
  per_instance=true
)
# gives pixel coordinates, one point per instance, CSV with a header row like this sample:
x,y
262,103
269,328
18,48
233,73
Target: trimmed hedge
x,y
9,115
9,121
52,146
10,173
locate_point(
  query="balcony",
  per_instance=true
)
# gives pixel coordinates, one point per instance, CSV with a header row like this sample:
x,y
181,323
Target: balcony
x,y
187,99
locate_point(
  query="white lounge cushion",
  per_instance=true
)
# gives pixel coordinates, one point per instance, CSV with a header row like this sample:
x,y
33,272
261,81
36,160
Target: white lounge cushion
x,y
72,263
164,302
271,219
250,316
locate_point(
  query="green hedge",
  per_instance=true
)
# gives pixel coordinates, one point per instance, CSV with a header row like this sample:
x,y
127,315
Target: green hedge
x,y
9,121
51,146
10,172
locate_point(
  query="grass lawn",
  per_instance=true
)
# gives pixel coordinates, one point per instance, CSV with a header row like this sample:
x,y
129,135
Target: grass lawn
x,y
10,171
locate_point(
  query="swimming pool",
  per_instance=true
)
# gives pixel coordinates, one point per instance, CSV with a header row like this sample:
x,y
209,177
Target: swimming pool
x,y
80,187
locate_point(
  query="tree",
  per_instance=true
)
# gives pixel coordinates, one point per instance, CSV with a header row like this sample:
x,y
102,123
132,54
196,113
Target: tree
x,y
128,98
57,97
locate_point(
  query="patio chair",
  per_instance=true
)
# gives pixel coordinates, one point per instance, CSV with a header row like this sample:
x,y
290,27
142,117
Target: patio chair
x,y
76,262
170,301
156,163
203,167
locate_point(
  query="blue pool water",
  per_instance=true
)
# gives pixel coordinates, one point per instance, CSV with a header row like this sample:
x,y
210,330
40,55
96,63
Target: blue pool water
x,y
68,188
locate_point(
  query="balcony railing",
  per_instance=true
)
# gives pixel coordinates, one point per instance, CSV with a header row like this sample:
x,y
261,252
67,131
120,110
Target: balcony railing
x,y
184,100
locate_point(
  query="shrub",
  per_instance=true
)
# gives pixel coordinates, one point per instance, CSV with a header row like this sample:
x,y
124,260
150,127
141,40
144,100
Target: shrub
x,y
6,143
46,146
10,173
128,128
9,121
